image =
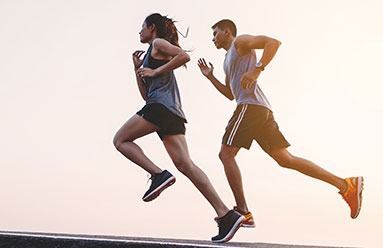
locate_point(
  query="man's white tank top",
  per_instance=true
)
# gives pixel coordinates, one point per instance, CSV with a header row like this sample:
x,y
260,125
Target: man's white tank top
x,y
235,66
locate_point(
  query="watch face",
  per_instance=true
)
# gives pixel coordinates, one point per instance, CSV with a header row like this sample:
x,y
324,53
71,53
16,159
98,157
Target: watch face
x,y
258,64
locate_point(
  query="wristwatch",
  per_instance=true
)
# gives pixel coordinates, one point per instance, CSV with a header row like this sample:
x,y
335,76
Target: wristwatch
x,y
260,66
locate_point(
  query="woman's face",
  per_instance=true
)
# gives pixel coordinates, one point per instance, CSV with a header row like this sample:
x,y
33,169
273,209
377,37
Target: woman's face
x,y
146,33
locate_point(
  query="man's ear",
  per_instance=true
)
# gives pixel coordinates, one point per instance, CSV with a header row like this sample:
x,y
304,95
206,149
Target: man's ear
x,y
227,32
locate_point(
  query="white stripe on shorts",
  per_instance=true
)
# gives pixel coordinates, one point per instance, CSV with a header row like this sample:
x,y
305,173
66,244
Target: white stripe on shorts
x,y
236,125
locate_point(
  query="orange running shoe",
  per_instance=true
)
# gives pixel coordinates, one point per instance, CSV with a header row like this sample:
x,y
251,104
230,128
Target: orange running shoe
x,y
353,194
249,220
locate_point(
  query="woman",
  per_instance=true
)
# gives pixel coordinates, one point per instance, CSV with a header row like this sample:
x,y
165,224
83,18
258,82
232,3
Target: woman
x,y
163,114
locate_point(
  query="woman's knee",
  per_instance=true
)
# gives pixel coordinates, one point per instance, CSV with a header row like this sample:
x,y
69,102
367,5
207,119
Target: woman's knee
x,y
117,144
183,165
118,140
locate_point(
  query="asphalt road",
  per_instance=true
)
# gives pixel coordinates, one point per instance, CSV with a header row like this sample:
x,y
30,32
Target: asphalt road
x,y
60,240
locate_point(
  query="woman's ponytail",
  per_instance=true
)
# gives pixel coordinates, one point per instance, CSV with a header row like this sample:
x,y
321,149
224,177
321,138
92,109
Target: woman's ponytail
x,y
166,29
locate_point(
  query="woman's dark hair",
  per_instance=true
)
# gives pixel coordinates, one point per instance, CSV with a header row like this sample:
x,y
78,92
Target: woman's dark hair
x,y
165,27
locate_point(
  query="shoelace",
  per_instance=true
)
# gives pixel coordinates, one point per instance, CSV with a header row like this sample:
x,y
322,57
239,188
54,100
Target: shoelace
x,y
150,177
219,222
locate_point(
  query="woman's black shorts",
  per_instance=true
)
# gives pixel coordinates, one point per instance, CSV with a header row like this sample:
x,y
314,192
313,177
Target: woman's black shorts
x,y
168,122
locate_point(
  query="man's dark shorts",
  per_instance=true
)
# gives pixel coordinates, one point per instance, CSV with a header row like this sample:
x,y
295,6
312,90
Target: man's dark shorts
x,y
252,122
168,122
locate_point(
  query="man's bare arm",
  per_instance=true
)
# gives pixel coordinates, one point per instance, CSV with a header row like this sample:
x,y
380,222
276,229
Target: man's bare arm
x,y
223,89
245,43
207,71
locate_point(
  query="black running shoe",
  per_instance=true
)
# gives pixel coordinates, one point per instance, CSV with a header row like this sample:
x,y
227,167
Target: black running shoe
x,y
160,181
227,226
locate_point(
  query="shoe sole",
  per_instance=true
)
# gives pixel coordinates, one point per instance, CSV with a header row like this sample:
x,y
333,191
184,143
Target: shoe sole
x,y
243,223
232,231
360,189
170,181
248,226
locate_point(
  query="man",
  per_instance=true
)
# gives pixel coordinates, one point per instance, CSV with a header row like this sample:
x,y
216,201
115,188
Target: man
x,y
253,118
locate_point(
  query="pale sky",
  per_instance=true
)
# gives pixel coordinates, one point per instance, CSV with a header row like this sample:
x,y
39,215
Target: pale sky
x,y
67,85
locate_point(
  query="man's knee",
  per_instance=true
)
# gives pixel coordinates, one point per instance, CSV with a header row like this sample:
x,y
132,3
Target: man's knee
x,y
283,158
226,154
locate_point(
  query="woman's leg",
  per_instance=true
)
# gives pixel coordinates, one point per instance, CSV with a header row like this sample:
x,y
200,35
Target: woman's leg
x,y
177,149
134,128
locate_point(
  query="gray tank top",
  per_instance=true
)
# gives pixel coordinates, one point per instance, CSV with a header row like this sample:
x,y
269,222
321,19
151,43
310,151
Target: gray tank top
x,y
162,88
235,66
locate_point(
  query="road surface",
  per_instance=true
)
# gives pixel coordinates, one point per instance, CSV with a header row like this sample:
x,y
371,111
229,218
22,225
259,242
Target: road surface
x,y
10,239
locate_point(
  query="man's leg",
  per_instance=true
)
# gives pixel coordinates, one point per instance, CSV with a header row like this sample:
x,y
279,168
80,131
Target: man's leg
x,y
285,159
350,188
233,175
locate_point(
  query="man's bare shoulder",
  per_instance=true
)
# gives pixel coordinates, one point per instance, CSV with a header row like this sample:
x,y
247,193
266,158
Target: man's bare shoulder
x,y
242,43
249,42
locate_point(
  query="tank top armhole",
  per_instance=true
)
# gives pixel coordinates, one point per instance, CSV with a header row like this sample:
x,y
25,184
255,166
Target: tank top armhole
x,y
232,46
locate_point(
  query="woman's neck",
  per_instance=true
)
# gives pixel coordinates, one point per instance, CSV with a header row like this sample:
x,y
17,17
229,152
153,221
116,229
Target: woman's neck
x,y
154,36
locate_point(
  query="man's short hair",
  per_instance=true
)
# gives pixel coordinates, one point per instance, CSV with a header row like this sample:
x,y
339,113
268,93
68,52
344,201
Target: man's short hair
x,y
226,23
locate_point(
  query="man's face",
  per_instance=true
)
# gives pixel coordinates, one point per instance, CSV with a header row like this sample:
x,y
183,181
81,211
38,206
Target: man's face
x,y
219,37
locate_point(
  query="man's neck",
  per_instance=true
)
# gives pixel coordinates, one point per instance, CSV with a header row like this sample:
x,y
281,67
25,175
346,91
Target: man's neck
x,y
228,43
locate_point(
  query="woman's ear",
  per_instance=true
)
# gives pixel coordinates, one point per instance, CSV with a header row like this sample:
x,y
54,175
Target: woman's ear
x,y
152,27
